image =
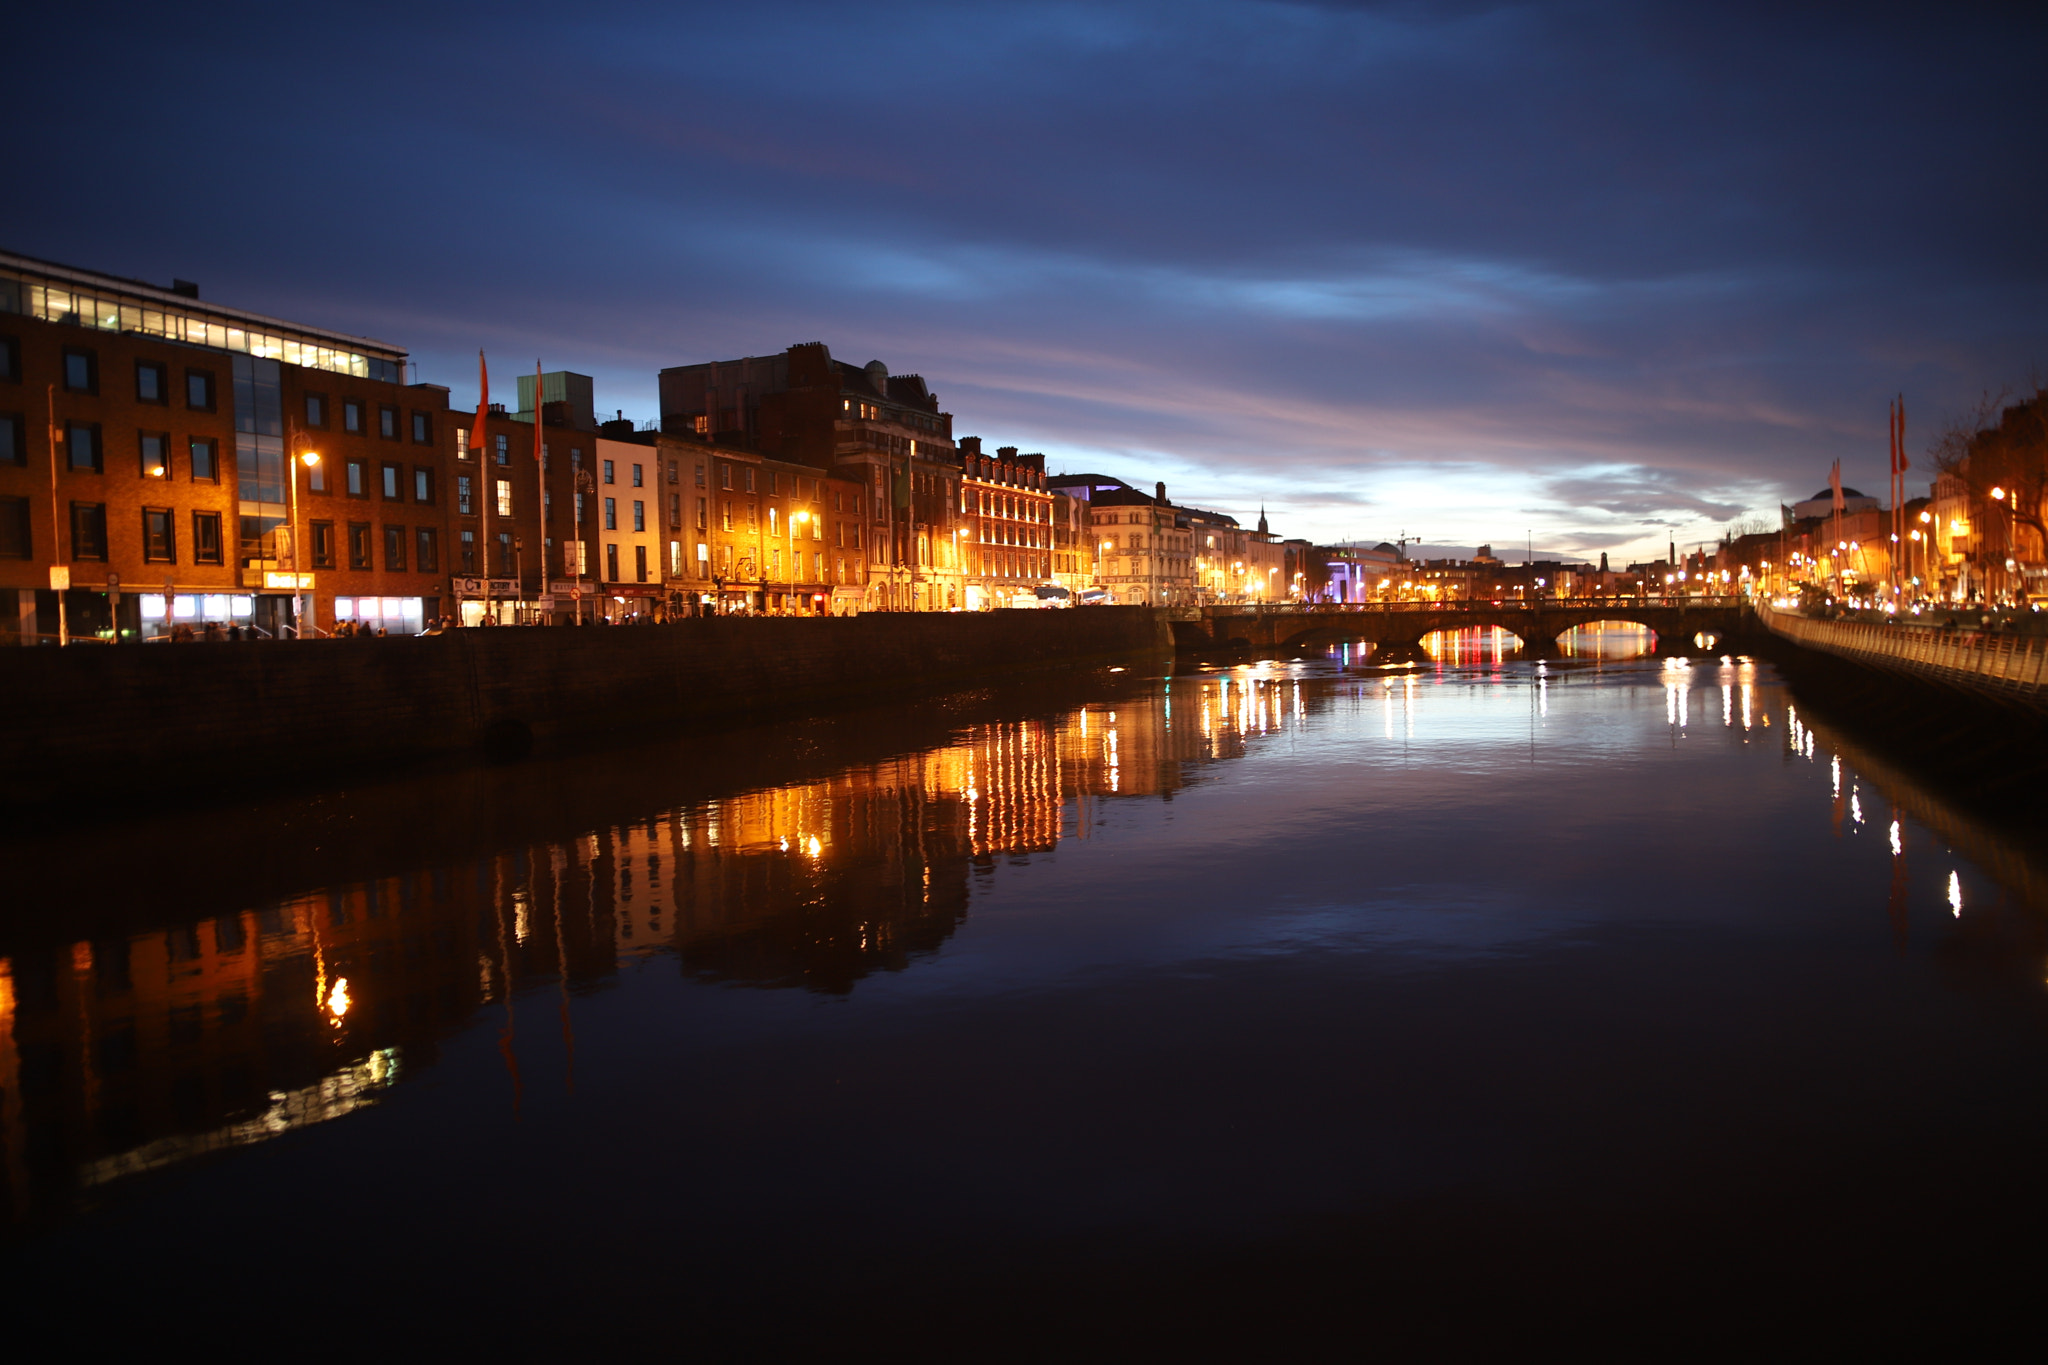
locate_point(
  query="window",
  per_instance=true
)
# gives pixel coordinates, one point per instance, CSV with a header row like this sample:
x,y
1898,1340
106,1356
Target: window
x,y
359,545
316,410
469,552
504,497
462,443
774,484
316,476
675,559
700,473
206,541
199,390
357,487
15,541
672,471
204,455
608,472
392,474
422,429
352,416
159,536
152,383
323,544
725,513
750,480
611,514
725,476
611,563
703,560
774,522
422,484
394,548
427,549
10,359
639,515
81,371
637,482
703,514
640,563
156,455
387,422
89,530
82,441
504,450
13,438
579,509
504,552
753,518
463,501
675,511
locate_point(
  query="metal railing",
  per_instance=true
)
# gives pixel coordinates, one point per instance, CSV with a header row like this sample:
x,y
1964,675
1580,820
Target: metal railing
x,y
2008,665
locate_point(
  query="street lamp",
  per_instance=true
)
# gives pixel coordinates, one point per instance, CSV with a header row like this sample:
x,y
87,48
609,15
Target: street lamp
x,y
310,459
794,518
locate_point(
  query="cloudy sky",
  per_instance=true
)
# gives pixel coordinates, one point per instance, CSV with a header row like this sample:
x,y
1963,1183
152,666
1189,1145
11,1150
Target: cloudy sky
x,y
1598,273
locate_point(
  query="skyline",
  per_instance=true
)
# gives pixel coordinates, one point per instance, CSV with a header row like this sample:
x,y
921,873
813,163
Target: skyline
x,y
1609,275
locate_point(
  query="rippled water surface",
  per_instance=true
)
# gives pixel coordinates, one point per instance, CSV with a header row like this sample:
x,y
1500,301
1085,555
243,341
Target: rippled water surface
x,y
1489,997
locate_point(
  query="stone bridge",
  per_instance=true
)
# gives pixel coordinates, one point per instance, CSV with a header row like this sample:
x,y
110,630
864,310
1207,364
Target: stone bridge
x,y
1398,627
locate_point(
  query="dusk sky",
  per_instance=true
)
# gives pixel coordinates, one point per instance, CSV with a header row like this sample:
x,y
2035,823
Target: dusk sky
x,y
1606,274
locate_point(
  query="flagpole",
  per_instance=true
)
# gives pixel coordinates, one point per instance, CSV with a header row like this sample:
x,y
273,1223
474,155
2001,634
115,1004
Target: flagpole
x,y
485,480
540,475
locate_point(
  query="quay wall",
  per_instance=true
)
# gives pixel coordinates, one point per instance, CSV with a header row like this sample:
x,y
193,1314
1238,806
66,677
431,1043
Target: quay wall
x,y
2004,668
162,721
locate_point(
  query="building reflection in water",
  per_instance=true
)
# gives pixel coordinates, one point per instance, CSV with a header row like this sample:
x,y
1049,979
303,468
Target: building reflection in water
x,y
124,1055
127,1054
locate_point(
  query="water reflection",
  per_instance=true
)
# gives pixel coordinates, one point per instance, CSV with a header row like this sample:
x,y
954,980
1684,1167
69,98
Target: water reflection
x,y
1607,640
126,1053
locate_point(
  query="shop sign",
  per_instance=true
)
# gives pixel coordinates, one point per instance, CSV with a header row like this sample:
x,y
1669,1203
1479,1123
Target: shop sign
x,y
291,582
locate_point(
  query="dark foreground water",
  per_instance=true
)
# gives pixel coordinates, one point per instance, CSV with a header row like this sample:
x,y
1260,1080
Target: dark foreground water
x,y
1259,1010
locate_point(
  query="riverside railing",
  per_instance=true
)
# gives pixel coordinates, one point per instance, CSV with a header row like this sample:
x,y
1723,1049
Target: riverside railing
x,y
2004,665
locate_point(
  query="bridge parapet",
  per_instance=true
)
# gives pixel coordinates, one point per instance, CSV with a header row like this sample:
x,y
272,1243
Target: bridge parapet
x,y
1537,624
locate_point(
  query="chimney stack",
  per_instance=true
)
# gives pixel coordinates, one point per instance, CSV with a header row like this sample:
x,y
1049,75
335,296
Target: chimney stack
x,y
1161,493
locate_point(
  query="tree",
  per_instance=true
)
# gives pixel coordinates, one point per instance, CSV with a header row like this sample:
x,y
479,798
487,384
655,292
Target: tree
x,y
2008,457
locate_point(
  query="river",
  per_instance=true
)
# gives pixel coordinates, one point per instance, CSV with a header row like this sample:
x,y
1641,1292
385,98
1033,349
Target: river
x,y
1474,1005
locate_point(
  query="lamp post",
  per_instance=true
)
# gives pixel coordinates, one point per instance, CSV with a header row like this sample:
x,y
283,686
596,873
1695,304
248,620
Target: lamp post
x,y
794,518
580,480
310,459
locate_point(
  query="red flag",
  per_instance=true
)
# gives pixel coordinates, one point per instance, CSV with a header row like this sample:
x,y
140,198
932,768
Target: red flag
x,y
1835,483
1904,463
483,402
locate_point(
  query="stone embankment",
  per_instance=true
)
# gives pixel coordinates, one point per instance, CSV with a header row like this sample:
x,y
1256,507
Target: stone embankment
x,y
2007,668
163,722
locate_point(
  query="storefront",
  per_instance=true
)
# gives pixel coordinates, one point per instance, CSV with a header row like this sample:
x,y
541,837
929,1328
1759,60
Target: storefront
x,y
392,615
196,610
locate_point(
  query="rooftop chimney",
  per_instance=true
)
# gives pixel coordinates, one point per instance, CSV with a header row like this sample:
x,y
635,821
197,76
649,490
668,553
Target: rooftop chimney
x,y
1162,492
186,288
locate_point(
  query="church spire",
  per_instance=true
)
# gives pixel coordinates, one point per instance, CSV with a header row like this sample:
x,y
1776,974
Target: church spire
x,y
1262,520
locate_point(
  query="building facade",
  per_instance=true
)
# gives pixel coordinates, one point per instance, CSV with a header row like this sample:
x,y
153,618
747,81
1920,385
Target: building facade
x,y
167,462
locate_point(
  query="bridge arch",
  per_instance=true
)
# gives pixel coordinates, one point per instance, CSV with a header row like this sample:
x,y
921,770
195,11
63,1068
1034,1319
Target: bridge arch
x,y
1582,639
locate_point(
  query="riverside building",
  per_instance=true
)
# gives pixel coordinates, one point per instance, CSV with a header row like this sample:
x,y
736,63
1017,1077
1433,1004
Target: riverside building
x,y
859,425
154,470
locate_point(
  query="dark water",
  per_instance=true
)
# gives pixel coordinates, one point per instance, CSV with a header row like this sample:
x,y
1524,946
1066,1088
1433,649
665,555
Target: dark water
x,y
1614,1003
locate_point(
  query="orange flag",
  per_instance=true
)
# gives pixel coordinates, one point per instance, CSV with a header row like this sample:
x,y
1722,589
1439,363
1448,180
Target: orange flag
x,y
1904,463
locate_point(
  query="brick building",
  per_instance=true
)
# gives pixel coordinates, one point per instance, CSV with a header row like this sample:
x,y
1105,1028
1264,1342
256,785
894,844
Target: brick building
x,y
1008,521
859,425
154,449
